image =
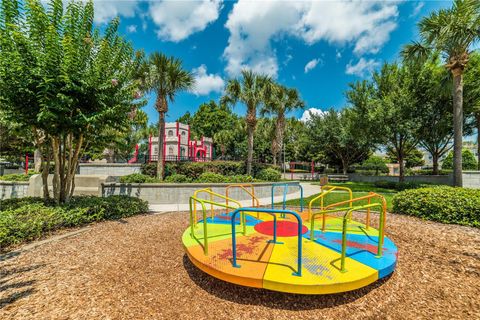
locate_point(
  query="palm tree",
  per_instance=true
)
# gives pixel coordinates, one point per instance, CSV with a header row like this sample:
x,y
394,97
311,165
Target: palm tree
x,y
165,77
452,32
282,100
223,138
252,91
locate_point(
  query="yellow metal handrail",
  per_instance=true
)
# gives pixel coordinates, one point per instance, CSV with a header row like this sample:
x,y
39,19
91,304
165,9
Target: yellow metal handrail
x,y
204,211
212,203
321,196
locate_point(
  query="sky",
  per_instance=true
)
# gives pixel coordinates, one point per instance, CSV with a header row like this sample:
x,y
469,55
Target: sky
x,y
318,47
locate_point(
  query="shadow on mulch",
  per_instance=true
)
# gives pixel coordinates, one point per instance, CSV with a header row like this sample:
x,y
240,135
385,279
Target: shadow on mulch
x,y
20,289
272,299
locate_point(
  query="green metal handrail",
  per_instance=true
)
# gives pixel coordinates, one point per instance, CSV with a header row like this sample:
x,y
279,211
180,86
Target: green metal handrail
x,y
322,195
344,232
204,211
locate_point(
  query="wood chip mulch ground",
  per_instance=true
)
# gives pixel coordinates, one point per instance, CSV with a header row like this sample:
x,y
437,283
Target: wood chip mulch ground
x,y
136,269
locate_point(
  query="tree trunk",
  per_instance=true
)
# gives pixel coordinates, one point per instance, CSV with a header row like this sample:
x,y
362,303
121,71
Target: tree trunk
x,y
250,131
401,164
478,140
435,163
344,166
457,126
37,159
279,132
161,142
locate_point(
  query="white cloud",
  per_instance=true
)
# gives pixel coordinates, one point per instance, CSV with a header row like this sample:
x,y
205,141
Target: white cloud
x,y
311,64
132,28
366,25
106,10
418,7
361,67
206,83
177,20
307,114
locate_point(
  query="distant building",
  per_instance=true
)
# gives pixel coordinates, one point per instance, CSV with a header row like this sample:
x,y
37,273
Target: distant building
x,y
179,147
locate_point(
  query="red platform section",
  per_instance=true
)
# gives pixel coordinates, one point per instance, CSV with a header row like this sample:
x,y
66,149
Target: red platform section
x,y
284,228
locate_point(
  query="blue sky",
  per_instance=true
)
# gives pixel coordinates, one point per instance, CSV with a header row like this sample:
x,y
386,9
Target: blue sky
x,y
317,47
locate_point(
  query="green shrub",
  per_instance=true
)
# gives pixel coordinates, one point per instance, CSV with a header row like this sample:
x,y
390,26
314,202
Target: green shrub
x,y
441,203
399,186
211,177
269,174
149,169
178,178
242,178
17,176
469,162
137,178
31,218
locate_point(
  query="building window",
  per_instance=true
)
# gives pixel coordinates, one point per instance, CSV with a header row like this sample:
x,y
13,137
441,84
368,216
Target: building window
x,y
170,133
182,151
183,133
170,151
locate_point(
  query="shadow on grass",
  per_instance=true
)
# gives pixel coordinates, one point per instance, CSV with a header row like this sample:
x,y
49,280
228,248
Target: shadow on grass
x,y
272,299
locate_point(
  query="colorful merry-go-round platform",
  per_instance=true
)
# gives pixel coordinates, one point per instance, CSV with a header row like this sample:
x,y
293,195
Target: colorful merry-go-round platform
x,y
309,252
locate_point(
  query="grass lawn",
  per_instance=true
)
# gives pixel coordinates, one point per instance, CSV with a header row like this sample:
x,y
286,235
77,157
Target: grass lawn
x,y
359,189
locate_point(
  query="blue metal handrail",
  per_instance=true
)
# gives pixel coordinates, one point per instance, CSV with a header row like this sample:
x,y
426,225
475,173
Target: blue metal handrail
x,y
285,190
269,211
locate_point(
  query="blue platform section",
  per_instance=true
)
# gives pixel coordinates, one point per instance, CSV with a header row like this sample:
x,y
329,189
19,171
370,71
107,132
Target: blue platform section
x,y
362,248
226,218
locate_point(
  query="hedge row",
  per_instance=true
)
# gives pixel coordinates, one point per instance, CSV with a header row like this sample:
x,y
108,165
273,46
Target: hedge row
x,y
442,203
27,219
193,170
400,186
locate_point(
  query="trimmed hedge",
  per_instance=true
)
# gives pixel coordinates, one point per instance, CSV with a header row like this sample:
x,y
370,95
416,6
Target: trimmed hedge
x,y
17,176
399,186
137,178
269,174
193,170
27,219
441,203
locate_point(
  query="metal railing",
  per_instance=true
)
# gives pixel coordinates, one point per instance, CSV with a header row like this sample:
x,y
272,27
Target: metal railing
x,y
212,203
204,210
285,190
255,201
347,216
271,211
322,195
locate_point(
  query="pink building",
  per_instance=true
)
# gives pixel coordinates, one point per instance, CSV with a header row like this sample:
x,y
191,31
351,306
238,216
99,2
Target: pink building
x,y
179,146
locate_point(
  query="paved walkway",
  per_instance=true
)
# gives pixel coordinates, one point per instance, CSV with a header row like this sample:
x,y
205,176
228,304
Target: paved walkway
x,y
308,190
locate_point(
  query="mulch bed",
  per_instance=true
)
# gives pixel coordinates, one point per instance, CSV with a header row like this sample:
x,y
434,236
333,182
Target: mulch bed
x,y
136,269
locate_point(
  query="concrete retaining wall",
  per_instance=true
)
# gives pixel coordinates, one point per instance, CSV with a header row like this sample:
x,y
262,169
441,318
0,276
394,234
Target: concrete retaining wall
x,y
471,179
174,193
84,185
109,169
11,189
444,179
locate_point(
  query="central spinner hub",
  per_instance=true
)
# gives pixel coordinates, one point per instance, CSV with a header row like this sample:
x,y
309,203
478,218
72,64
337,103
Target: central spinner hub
x,y
284,228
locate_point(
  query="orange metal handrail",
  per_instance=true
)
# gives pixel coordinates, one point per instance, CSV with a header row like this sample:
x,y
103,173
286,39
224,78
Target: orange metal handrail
x,y
367,197
255,201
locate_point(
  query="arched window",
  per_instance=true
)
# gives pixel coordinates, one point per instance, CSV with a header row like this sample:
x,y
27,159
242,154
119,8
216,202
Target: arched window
x,y
183,133
182,151
170,151
170,133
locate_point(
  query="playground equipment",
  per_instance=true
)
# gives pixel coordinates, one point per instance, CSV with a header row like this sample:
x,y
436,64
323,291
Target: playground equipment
x,y
277,249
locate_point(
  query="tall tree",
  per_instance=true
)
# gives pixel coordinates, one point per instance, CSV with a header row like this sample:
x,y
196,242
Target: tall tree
x,y
251,90
64,79
165,77
452,32
386,108
472,94
282,101
334,134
